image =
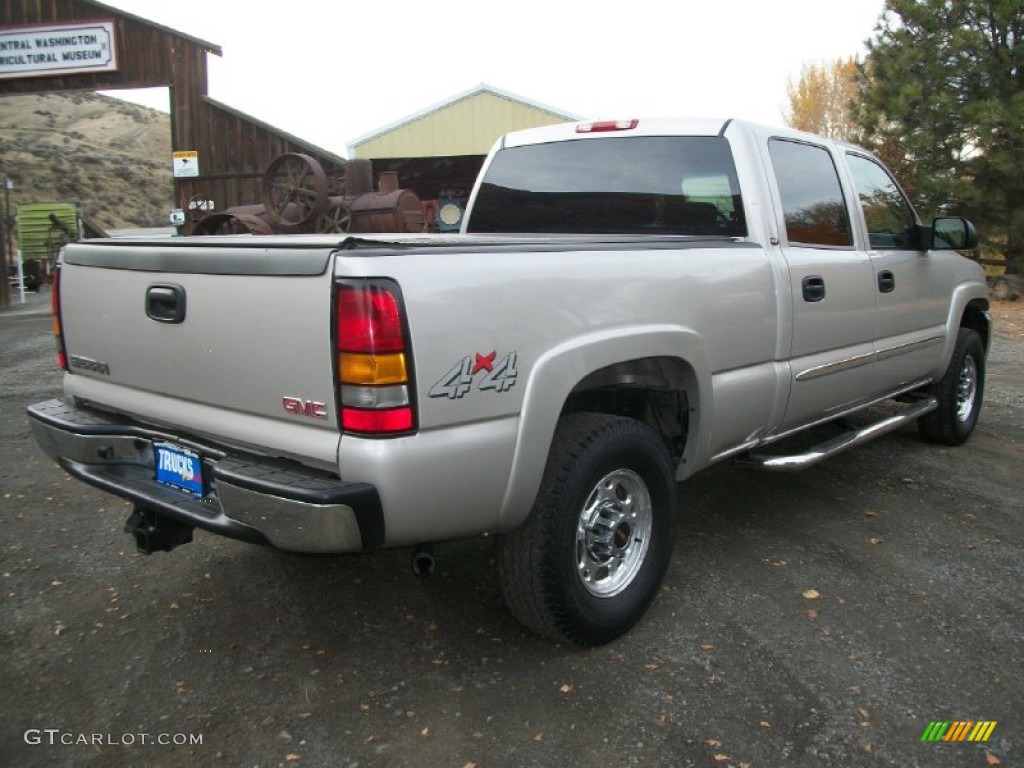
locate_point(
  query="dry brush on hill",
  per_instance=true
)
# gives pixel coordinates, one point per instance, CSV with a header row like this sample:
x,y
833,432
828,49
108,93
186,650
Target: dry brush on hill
x,y
110,157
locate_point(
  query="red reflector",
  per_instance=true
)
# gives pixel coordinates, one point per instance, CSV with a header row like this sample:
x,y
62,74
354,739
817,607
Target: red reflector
x,y
376,422
369,320
607,125
58,330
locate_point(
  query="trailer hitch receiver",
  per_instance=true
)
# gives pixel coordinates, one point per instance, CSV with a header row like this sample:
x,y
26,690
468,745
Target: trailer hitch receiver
x,y
154,532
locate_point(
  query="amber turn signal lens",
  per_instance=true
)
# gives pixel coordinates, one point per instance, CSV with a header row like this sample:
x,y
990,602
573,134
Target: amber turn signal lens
x,y
372,369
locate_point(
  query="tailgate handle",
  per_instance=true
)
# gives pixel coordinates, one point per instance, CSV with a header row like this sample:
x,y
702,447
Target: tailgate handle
x,y
165,303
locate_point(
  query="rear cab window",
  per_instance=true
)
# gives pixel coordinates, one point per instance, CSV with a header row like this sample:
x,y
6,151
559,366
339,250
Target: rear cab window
x,y
640,185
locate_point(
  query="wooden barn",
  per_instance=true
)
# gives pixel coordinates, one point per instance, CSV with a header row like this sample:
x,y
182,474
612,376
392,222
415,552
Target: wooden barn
x,y
81,45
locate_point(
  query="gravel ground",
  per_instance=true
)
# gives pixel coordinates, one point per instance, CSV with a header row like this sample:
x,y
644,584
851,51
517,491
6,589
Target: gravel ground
x,y
1005,391
816,619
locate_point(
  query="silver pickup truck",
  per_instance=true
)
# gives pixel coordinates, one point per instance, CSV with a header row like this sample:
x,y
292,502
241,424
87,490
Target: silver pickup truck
x,y
628,303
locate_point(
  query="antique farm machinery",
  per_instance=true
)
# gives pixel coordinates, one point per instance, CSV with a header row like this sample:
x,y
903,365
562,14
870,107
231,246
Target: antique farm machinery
x,y
298,197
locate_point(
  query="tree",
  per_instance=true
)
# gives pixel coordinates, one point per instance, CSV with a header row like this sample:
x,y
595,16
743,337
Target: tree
x,y
942,89
820,101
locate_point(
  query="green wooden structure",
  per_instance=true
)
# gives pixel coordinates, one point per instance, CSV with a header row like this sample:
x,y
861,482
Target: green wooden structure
x,y
44,227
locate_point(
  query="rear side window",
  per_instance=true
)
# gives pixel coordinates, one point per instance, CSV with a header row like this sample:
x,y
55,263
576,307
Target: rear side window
x,y
812,198
636,185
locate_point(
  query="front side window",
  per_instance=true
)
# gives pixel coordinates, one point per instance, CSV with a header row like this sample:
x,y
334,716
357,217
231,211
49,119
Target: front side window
x,y
812,198
661,185
889,218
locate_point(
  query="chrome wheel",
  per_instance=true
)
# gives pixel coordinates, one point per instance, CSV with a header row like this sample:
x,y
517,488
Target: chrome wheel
x,y
966,389
613,533
588,560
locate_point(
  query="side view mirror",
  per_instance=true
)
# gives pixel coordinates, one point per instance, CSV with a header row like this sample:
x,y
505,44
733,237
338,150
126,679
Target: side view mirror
x,y
952,233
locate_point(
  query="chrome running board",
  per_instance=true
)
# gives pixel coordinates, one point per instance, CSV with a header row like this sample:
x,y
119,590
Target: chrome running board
x,y
849,439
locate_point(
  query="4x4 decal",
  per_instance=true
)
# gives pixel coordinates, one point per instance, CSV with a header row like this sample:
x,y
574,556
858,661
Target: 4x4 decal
x,y
500,375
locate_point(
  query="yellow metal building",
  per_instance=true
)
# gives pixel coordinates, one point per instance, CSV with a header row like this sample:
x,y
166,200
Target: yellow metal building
x,y
437,152
466,124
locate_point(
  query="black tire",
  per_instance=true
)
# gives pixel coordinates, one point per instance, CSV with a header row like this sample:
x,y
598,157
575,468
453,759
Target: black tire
x,y
959,392
591,556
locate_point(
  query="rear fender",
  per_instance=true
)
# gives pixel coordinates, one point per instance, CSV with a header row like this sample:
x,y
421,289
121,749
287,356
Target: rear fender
x,y
560,369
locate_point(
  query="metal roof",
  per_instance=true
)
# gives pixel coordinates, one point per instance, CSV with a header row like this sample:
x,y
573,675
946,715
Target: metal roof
x,y
479,89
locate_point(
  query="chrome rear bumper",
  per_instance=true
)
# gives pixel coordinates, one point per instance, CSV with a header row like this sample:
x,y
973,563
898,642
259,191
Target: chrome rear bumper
x,y
248,497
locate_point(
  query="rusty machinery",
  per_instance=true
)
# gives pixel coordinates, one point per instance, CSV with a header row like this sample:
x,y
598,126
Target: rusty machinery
x,y
298,197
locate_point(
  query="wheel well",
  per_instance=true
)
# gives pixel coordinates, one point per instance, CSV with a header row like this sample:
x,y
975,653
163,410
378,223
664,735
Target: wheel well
x,y
658,391
975,317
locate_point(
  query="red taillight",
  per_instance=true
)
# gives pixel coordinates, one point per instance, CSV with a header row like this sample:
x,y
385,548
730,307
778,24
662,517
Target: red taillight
x,y
373,360
369,320
58,328
359,420
607,125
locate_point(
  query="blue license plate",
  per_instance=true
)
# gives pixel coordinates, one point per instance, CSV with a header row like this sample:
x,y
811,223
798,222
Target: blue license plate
x,y
179,468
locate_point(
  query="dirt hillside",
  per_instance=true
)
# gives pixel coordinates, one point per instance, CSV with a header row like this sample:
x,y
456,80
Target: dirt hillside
x,y
111,158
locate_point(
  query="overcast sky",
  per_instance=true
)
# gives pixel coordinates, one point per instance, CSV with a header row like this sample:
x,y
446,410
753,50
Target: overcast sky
x,y
330,71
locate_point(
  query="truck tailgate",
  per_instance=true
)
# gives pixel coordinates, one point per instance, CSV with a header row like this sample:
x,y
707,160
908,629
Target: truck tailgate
x,y
200,336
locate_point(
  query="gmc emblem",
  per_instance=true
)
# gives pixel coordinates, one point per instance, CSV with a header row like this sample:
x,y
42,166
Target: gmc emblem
x,y
309,408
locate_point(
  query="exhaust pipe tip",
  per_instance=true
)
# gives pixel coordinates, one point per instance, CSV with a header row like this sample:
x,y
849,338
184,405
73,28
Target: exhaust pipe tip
x,y
423,561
